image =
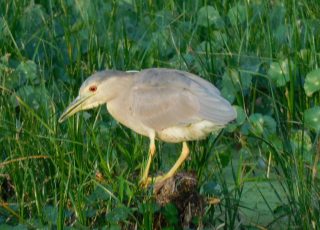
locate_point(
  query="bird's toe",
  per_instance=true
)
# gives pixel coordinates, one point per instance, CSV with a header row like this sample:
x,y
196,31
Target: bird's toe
x,y
157,182
145,182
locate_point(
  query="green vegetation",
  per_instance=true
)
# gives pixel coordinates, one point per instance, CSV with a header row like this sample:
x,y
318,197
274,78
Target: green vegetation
x,y
84,173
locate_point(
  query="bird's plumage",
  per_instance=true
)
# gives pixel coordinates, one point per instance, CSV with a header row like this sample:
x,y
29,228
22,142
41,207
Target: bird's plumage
x,y
162,98
167,104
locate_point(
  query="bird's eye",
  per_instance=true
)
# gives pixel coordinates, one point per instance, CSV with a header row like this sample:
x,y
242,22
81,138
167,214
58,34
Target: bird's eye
x,y
93,88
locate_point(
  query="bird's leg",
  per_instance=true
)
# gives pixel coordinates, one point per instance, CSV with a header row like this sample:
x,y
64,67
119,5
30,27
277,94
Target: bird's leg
x,y
152,149
184,154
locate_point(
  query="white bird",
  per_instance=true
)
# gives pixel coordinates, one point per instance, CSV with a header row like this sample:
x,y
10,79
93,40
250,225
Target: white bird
x,y
165,104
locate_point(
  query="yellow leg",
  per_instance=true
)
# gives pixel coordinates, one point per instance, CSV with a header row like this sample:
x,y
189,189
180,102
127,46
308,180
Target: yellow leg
x,y
184,154
152,150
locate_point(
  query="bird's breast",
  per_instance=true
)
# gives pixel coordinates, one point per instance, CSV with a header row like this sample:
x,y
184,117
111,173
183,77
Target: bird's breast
x,y
195,131
121,113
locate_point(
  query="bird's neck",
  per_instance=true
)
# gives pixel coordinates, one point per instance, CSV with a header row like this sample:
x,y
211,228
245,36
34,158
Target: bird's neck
x,y
120,86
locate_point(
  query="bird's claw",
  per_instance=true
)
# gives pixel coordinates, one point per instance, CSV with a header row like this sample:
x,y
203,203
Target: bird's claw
x,y
144,183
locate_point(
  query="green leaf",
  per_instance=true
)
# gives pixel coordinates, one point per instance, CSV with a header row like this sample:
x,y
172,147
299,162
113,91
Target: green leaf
x,y
302,146
245,81
312,82
16,227
216,43
160,40
245,153
115,226
26,93
51,213
283,33
225,156
4,30
171,214
32,35
28,70
241,115
34,97
270,126
276,143
208,15
32,19
98,194
148,207
14,81
312,118
5,68
85,10
118,214
164,18
219,39
256,124
230,84
237,14
305,55
301,141
260,125
211,188
250,66
279,72
277,15
25,72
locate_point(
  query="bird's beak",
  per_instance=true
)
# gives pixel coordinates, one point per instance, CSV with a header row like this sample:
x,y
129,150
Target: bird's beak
x,y
74,107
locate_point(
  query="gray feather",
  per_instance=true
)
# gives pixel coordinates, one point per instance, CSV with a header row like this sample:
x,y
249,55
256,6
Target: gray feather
x,y
164,98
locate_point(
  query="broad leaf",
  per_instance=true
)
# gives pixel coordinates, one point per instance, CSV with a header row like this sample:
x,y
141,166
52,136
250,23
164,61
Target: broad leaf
x,y
171,214
230,84
312,82
34,97
312,118
260,125
301,141
237,14
208,15
241,117
51,213
279,72
118,214
27,70
211,188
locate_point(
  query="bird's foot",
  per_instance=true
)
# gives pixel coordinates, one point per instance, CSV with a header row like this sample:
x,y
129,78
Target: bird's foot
x,y
144,182
159,180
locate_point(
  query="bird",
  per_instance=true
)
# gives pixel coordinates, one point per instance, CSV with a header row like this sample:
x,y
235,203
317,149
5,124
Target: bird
x,y
163,104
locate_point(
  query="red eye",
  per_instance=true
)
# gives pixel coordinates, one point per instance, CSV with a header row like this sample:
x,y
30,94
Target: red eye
x,y
93,88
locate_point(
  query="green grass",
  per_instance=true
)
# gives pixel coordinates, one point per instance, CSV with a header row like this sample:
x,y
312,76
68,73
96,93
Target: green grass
x,y
84,173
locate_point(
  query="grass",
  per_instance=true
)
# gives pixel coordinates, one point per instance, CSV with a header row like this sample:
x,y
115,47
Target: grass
x,y
84,173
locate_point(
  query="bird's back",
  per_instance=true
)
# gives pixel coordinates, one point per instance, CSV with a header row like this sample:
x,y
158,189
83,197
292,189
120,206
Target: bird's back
x,y
176,105
206,98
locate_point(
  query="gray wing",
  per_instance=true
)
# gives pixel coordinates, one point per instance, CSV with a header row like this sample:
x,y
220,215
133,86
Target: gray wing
x,y
161,98
163,107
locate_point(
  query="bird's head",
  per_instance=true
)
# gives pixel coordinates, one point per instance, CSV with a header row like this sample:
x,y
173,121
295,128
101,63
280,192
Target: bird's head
x,y
96,90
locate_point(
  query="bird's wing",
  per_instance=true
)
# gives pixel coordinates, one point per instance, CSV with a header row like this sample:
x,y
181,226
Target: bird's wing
x,y
161,98
161,107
